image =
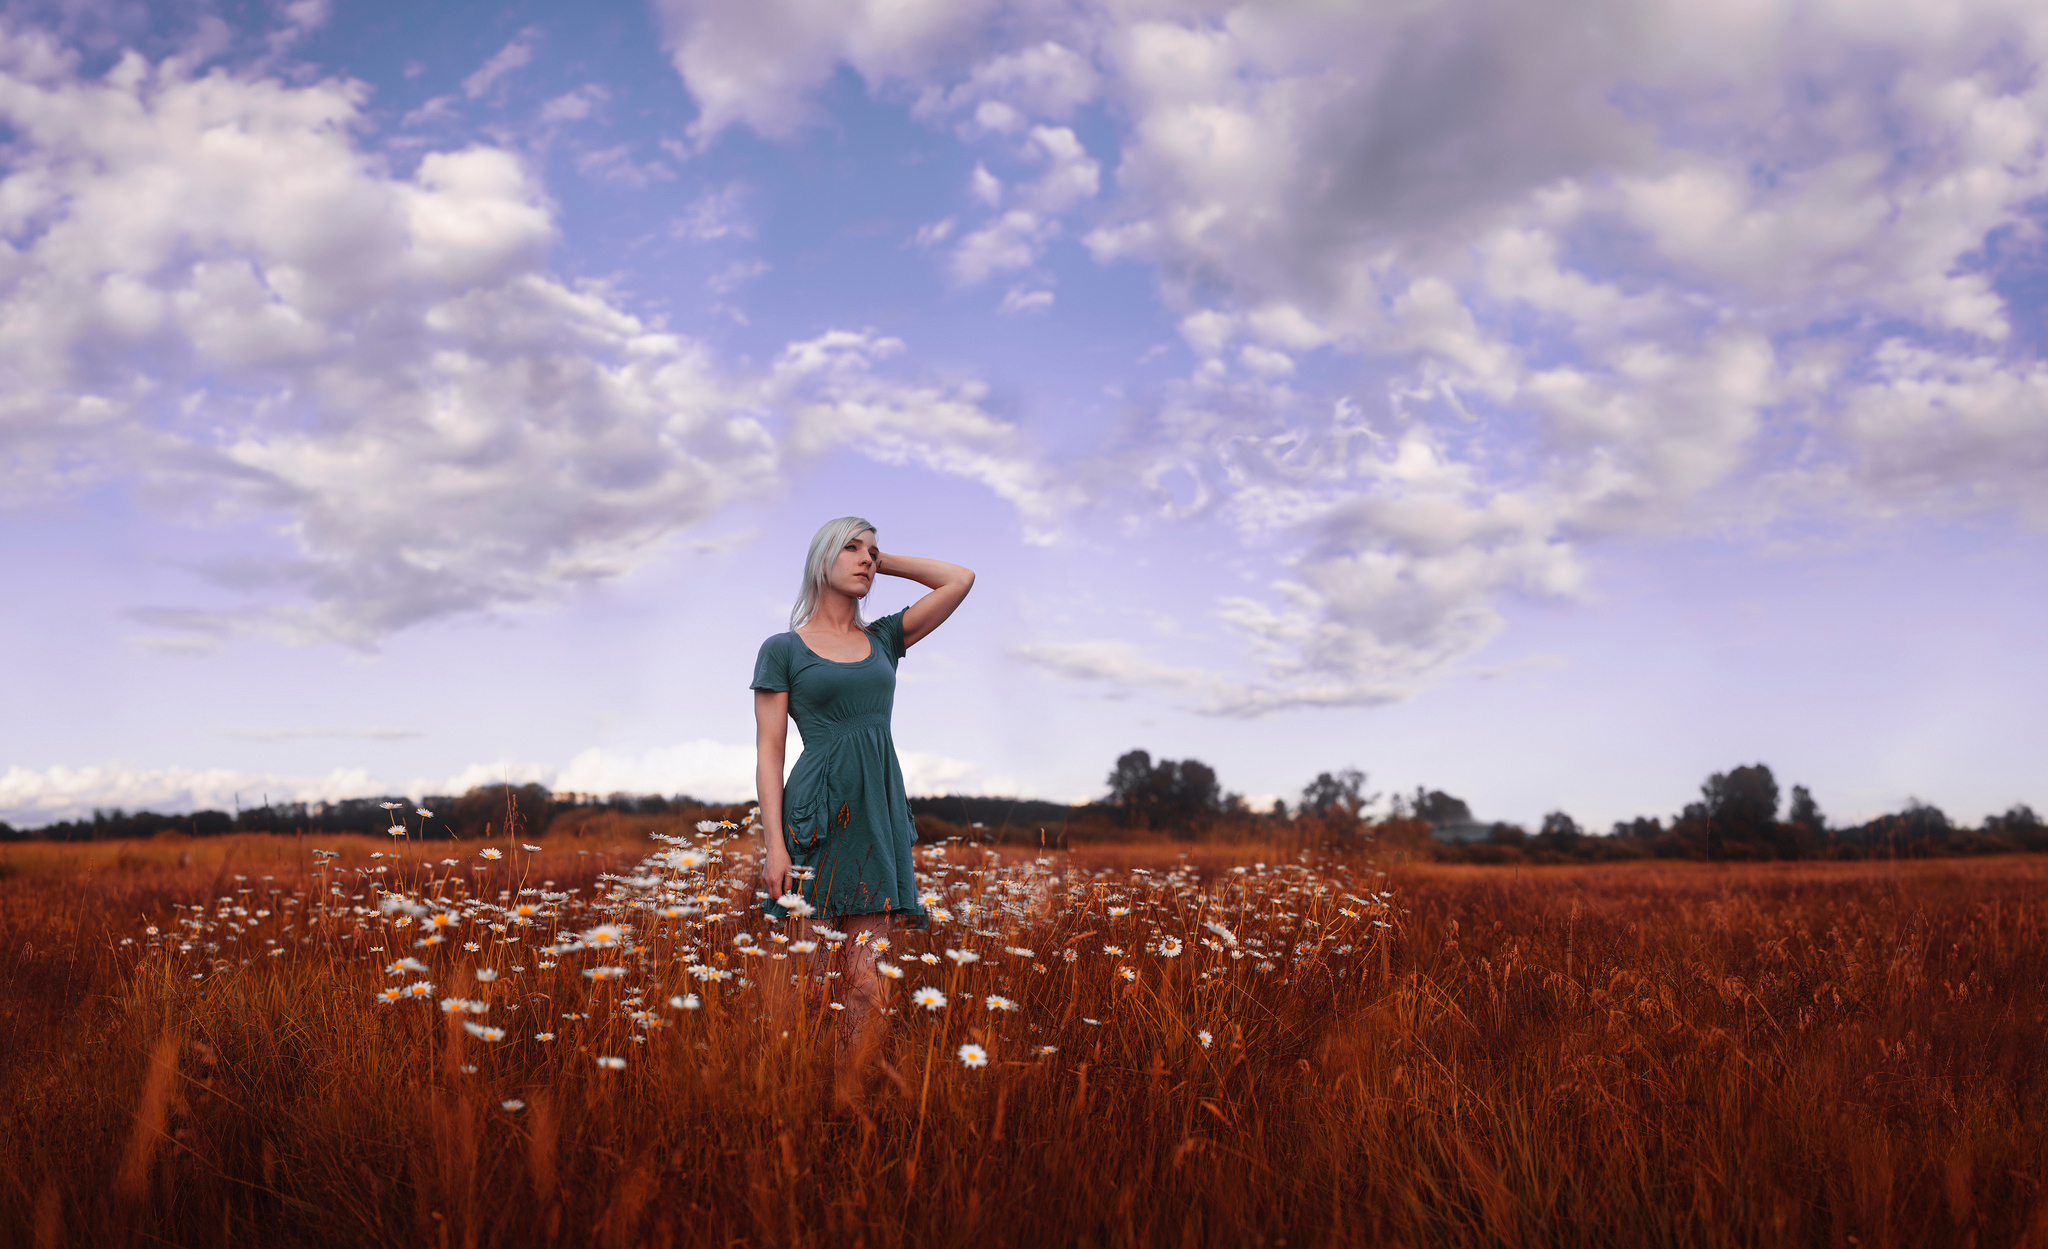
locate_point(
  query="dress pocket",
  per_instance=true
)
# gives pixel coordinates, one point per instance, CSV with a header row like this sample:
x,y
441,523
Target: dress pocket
x,y
804,824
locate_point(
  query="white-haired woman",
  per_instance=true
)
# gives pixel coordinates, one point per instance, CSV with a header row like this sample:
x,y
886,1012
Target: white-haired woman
x,y
839,834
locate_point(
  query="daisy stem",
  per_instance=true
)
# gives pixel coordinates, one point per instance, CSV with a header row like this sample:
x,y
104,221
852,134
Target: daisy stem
x,y
924,1096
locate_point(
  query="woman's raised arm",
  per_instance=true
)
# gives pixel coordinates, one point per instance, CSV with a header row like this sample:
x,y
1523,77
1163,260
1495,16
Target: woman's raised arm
x,y
949,584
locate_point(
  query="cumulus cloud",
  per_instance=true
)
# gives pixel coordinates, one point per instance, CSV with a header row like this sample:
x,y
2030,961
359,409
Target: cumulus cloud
x,y
212,289
836,396
757,63
1606,268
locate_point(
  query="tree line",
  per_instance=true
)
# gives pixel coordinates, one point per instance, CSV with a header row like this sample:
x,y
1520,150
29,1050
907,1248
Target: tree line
x,y
1740,814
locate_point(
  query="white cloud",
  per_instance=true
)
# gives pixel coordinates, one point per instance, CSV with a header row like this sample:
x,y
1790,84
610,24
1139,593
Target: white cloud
x,y
1608,267
516,55
213,291
1019,300
1015,239
30,798
577,105
836,397
757,63
716,214
703,768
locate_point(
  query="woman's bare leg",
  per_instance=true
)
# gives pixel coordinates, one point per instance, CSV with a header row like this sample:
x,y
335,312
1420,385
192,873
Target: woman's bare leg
x,y
862,984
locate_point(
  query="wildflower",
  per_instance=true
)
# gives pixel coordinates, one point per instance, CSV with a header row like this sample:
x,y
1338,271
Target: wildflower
x,y
1169,947
491,852
443,919
396,830
392,994
529,849
391,806
1019,951
684,860
603,936
609,1063
512,1104
604,973
830,934
707,826
685,1001
1116,912
419,989
972,1055
543,1036
487,1033
1204,1037
1048,1049
486,974
836,1005
151,930
1069,954
996,1001
1093,1023
805,947
891,970
1112,949
423,813
879,944
471,946
927,958
1127,973
1229,937
928,997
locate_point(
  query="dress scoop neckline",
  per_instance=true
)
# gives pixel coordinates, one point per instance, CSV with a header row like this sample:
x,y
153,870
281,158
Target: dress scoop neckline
x,y
844,663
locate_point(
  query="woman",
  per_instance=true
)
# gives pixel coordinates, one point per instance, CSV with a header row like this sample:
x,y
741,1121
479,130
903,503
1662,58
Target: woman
x,y
839,835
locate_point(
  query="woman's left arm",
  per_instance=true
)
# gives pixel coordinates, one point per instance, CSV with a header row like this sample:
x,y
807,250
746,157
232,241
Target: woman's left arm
x,y
949,584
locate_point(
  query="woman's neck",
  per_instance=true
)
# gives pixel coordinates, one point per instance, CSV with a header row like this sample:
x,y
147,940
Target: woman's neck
x,y
833,614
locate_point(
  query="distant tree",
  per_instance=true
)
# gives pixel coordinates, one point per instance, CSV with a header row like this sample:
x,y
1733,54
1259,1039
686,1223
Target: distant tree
x,y
1742,813
1179,794
2017,818
1279,811
1129,782
1507,835
1560,832
1439,808
1343,791
494,810
1644,827
1805,812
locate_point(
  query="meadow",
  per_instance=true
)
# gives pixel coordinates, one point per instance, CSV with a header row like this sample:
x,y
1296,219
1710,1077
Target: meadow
x,y
250,1040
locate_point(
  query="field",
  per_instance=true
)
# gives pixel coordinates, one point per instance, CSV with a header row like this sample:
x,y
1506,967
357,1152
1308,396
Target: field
x,y
1678,1054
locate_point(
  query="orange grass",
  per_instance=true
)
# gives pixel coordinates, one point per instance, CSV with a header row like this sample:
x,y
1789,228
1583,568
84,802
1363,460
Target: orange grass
x,y
1639,1054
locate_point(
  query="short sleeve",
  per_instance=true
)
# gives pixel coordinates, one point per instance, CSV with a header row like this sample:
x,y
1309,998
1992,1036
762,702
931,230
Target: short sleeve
x,y
771,666
889,632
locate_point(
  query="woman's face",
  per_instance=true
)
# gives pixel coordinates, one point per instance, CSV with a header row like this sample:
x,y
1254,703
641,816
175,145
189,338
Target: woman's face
x,y
853,569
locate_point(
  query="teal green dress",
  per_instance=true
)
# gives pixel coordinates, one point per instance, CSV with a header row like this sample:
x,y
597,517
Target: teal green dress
x,y
844,812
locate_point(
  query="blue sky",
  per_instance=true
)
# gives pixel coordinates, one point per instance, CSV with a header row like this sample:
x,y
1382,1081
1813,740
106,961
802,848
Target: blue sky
x,y
1551,403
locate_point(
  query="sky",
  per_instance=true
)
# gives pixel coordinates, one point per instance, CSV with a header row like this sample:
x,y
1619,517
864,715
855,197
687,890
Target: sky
x,y
1546,401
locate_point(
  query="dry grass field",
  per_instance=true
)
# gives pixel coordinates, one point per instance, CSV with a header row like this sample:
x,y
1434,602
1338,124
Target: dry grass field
x,y
1675,1054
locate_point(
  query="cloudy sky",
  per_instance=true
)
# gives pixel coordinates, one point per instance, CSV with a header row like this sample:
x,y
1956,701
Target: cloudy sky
x,y
1550,401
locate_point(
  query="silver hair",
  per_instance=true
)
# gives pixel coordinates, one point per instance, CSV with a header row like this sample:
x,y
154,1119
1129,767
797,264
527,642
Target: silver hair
x,y
824,549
